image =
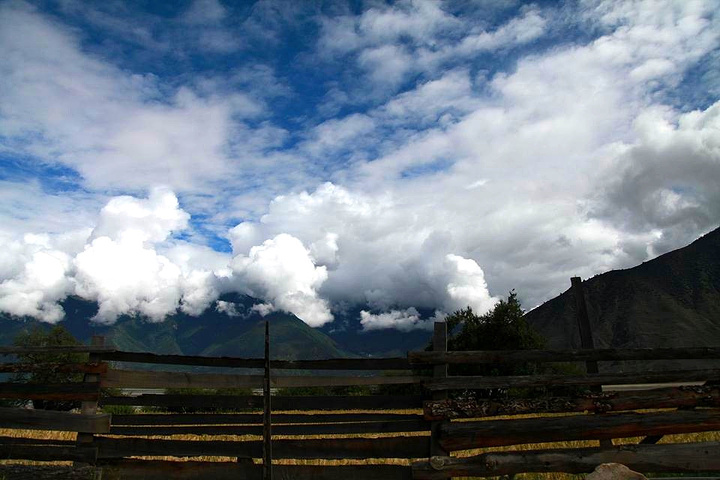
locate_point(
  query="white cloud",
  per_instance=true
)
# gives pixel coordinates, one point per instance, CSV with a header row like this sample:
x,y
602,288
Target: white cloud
x,y
229,308
33,277
282,271
562,159
403,320
467,286
116,129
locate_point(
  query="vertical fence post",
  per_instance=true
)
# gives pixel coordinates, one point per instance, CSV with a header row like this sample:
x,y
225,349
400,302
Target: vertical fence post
x,y
90,407
267,432
586,339
439,371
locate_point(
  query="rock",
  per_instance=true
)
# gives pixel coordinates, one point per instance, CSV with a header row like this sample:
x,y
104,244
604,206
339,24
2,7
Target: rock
x,y
614,471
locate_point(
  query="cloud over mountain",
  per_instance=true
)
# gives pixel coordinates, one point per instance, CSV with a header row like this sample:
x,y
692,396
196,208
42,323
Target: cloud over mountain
x,y
404,157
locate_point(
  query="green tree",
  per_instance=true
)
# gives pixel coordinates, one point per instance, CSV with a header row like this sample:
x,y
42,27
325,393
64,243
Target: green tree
x,y
41,337
502,328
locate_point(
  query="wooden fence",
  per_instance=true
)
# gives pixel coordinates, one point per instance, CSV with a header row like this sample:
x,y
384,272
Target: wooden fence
x,y
428,433
382,426
305,428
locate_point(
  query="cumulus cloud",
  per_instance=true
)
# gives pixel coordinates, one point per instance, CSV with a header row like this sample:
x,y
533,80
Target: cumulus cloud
x,y
120,265
282,271
375,252
33,277
581,147
403,320
121,269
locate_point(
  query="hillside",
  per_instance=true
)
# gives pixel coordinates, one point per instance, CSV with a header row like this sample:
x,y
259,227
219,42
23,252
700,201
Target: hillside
x,y
670,301
212,334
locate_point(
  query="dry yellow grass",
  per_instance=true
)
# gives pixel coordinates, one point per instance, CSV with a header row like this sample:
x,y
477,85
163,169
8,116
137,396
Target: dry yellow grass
x,y
696,437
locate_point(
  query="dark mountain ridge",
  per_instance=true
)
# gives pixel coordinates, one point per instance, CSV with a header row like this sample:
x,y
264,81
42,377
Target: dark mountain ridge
x,y
670,301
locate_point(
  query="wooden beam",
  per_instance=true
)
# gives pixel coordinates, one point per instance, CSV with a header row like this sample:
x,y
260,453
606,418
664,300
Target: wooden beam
x,y
267,407
116,378
151,419
300,429
258,363
53,367
50,391
334,448
51,420
160,470
475,382
34,441
678,457
56,349
571,355
340,402
90,407
440,372
470,407
47,472
48,453
494,433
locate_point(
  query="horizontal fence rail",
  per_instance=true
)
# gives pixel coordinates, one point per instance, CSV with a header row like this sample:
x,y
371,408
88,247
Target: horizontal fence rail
x,y
525,381
580,355
258,363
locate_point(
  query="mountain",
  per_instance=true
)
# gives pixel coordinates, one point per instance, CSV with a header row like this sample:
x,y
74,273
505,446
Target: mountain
x,y
670,301
213,333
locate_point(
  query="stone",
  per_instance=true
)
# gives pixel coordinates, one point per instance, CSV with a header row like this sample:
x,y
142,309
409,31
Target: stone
x,y
614,471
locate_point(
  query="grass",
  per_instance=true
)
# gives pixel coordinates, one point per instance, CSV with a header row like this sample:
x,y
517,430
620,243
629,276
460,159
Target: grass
x,y
681,438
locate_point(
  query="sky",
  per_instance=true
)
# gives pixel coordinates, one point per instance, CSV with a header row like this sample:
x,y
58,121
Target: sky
x,y
403,157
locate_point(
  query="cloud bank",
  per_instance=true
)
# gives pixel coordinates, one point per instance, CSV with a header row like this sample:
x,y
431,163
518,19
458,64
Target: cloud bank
x,y
405,157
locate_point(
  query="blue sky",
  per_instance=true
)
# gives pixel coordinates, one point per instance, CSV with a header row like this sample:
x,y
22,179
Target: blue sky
x,y
317,155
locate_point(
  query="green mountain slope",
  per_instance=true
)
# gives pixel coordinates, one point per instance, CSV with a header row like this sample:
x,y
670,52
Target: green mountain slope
x,y
212,334
670,301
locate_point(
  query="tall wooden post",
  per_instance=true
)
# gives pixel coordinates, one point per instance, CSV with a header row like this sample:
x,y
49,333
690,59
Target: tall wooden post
x,y
267,430
586,339
90,407
439,371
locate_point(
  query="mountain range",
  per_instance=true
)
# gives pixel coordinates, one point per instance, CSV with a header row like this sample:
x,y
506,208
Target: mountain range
x,y
238,332
670,301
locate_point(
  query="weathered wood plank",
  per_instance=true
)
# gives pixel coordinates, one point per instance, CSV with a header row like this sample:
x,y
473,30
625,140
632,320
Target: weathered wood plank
x,y
158,470
255,418
571,355
56,349
475,382
231,362
153,379
50,391
34,441
53,367
192,401
370,402
116,378
470,407
51,420
333,381
679,457
439,372
389,447
300,429
493,433
48,453
46,472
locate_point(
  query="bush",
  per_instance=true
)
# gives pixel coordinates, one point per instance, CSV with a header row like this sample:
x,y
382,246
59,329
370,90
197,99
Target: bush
x,y
40,337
